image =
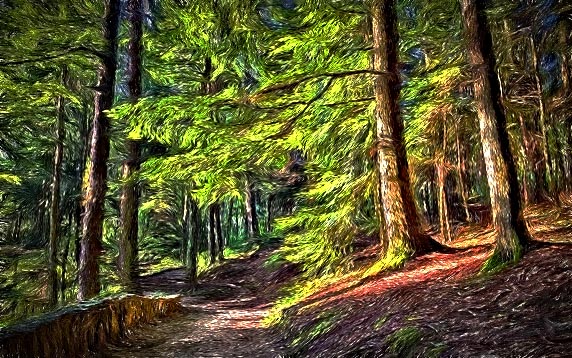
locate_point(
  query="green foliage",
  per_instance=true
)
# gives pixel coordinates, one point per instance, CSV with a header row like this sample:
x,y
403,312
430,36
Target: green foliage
x,y
403,342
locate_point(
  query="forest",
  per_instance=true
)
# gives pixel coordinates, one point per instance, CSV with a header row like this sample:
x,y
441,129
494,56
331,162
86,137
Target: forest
x,y
286,178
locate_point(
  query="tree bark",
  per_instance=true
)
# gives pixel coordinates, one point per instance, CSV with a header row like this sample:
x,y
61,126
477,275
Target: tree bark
x,y
91,246
219,235
212,234
509,225
55,216
441,179
229,222
547,170
461,173
194,243
402,237
250,207
129,205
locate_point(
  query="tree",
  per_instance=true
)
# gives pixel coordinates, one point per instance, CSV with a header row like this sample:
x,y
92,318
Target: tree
x,y
91,246
401,233
508,222
55,214
129,206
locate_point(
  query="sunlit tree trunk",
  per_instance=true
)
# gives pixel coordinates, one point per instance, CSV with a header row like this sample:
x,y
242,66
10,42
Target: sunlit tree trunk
x,y
510,229
401,237
55,216
91,246
129,205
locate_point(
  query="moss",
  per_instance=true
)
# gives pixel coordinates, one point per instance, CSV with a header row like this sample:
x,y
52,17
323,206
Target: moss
x,y
500,260
403,342
323,325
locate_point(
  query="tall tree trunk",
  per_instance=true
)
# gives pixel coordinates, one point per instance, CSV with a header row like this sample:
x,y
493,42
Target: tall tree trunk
x,y
509,225
461,169
250,206
547,172
186,228
80,208
269,213
129,206
55,216
229,222
194,243
212,234
64,263
528,167
218,231
402,237
91,246
441,179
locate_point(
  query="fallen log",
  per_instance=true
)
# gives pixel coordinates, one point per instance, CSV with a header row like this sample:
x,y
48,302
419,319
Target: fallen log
x,y
85,328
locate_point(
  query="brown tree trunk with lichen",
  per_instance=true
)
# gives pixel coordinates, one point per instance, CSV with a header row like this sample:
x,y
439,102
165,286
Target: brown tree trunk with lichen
x,y
402,236
91,246
129,204
508,222
55,214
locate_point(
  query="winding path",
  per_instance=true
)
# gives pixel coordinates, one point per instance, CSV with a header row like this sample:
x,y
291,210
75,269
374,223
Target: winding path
x,y
223,317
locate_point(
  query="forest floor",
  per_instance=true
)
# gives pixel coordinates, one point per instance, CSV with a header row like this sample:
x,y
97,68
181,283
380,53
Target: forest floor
x,y
436,306
222,318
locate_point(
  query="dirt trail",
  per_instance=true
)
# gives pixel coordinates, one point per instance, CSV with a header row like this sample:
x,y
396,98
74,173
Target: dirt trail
x,y
223,318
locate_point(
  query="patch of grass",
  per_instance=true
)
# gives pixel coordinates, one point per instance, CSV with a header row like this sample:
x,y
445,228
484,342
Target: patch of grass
x,y
436,350
403,342
323,325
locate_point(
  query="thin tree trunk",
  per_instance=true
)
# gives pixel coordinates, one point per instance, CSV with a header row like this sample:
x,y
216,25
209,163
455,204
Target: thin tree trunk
x,y
218,231
212,234
229,222
460,174
80,208
186,222
269,213
528,168
509,225
402,237
55,216
64,263
542,118
250,206
129,205
441,178
91,246
195,238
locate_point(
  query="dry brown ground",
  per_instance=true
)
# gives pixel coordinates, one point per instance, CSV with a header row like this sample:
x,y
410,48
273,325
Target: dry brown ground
x,y
435,306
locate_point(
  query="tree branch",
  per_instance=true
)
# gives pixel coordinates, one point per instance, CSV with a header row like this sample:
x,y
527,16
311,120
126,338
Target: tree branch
x,y
96,53
333,75
287,128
